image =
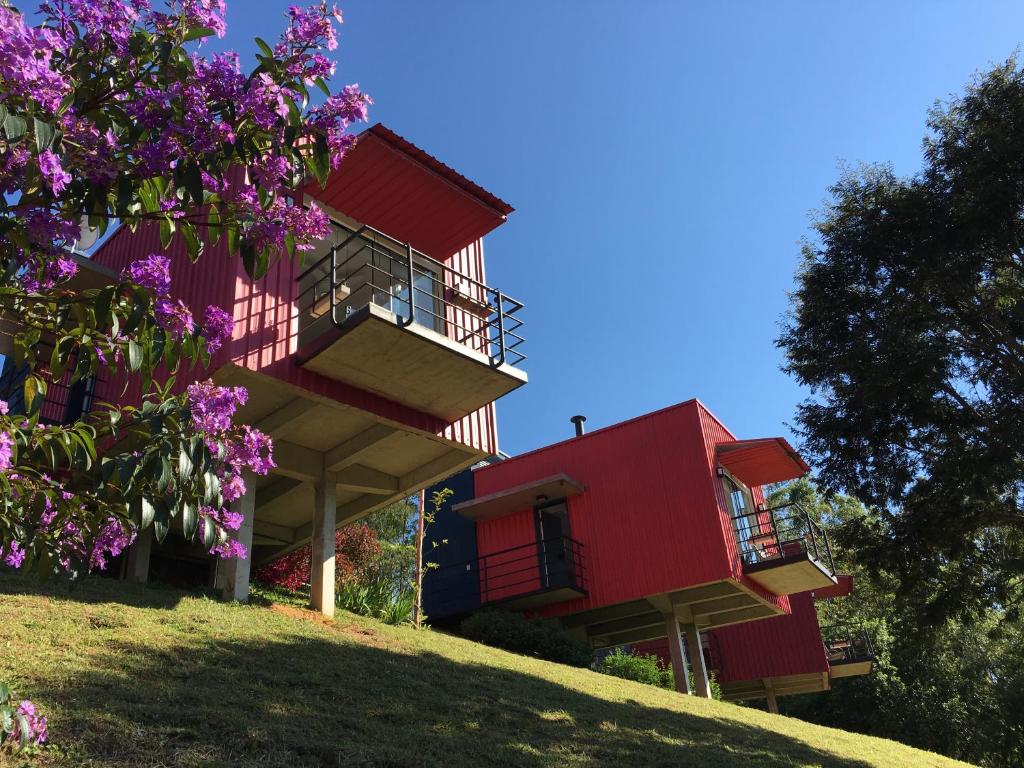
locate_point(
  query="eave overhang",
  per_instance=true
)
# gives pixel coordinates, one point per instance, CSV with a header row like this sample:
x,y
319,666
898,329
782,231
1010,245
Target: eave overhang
x,y
761,461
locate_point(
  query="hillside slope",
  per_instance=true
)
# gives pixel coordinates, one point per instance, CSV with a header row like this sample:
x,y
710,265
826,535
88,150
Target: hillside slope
x,y
137,676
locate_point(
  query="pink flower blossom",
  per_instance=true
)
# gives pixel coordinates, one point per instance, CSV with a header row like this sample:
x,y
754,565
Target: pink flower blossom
x,y
229,549
213,407
175,317
15,555
6,449
152,272
217,327
37,731
56,177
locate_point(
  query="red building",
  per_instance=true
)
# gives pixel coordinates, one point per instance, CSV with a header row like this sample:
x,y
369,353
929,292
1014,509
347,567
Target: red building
x,y
652,528
374,365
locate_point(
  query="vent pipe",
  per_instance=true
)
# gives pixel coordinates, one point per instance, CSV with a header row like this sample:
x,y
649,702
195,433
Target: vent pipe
x,y
578,421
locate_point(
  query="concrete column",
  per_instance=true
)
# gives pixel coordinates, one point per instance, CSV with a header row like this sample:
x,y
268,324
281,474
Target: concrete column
x,y
233,574
773,703
700,672
675,650
321,577
138,556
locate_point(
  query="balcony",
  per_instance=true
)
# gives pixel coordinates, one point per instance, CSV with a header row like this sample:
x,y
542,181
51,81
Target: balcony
x,y
848,650
527,576
784,550
379,315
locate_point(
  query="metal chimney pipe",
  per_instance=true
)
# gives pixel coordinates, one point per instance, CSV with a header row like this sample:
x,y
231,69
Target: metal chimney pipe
x,y
578,421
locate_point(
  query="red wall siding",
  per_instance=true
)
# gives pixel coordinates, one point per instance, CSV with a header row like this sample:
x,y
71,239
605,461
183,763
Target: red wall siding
x,y
782,645
648,519
266,328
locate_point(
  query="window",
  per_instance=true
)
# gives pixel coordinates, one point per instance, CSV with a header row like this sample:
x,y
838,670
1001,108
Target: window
x,y
741,510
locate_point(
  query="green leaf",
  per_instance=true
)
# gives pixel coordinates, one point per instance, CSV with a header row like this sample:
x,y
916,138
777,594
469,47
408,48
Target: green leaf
x,y
14,127
161,520
5,693
248,258
134,355
196,33
267,50
189,520
147,512
7,719
209,533
166,231
23,729
193,182
44,134
192,241
184,461
102,306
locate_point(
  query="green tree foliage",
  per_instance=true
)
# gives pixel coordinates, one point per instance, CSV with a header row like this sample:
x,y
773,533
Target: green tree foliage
x,y
908,327
954,688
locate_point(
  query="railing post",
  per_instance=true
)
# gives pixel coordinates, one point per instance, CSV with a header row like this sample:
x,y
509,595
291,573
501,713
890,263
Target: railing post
x,y
412,298
332,286
501,329
828,551
775,533
810,528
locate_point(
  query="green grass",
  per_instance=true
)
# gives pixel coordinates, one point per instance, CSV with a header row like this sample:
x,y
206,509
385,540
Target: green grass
x,y
143,676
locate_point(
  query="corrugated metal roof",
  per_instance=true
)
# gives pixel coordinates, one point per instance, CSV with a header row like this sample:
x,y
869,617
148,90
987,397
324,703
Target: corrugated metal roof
x,y
387,182
762,461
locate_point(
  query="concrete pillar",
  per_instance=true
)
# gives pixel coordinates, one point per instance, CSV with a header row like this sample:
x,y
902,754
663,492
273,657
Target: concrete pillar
x,y
138,556
675,650
700,672
233,574
773,703
321,577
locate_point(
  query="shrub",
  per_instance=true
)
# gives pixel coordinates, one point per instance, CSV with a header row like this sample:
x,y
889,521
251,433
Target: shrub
x,y
377,599
356,549
647,669
542,638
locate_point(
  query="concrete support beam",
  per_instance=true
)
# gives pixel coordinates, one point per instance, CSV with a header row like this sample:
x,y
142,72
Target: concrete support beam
x,y
353,449
138,556
773,702
277,488
367,480
296,461
675,650
278,422
279,533
235,581
322,566
700,672
443,466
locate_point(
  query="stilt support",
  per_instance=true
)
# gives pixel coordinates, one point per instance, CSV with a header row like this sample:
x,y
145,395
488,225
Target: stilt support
x,y
235,579
321,581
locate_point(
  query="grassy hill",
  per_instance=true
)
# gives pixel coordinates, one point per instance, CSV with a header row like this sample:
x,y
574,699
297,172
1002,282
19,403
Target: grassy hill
x,y
145,676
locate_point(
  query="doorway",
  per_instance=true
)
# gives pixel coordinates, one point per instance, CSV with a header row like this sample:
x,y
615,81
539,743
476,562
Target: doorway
x,y
554,548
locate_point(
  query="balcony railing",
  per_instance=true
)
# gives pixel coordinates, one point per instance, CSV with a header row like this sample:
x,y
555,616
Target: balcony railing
x,y
369,267
847,644
782,533
65,403
550,566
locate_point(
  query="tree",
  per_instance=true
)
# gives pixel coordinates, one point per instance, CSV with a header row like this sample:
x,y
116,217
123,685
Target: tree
x,y
953,688
110,112
907,324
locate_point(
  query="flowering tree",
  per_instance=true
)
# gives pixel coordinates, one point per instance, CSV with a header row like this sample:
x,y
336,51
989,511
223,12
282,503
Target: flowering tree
x,y
109,112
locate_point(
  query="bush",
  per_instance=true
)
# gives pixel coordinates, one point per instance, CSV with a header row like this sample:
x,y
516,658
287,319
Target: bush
x,y
643,669
378,599
648,669
542,638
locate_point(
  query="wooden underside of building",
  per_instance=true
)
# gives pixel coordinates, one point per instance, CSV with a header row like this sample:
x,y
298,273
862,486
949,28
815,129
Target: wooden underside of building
x,y
783,685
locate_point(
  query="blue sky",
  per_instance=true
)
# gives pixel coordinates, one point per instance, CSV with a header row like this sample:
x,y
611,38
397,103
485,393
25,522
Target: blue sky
x,y
664,159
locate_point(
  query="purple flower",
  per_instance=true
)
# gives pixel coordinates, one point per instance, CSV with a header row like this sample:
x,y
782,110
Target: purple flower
x,y
4,407
15,555
254,451
212,406
6,448
56,177
111,541
152,272
233,487
229,549
37,732
217,327
174,316
60,270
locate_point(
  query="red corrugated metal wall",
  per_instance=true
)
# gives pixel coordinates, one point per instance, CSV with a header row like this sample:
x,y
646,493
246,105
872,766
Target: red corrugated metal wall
x,y
649,520
782,645
266,327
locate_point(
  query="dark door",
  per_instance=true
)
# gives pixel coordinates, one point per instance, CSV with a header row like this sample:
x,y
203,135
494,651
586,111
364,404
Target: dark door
x,y
554,552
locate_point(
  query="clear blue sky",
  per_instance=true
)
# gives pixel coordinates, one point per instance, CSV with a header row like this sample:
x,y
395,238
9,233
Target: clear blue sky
x,y
663,158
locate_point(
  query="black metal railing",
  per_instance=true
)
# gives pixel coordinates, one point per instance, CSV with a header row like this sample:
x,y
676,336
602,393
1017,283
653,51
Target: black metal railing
x,y
496,577
64,403
781,533
845,644
367,266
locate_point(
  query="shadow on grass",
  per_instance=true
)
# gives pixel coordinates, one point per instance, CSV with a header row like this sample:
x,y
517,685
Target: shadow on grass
x,y
98,590
293,700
